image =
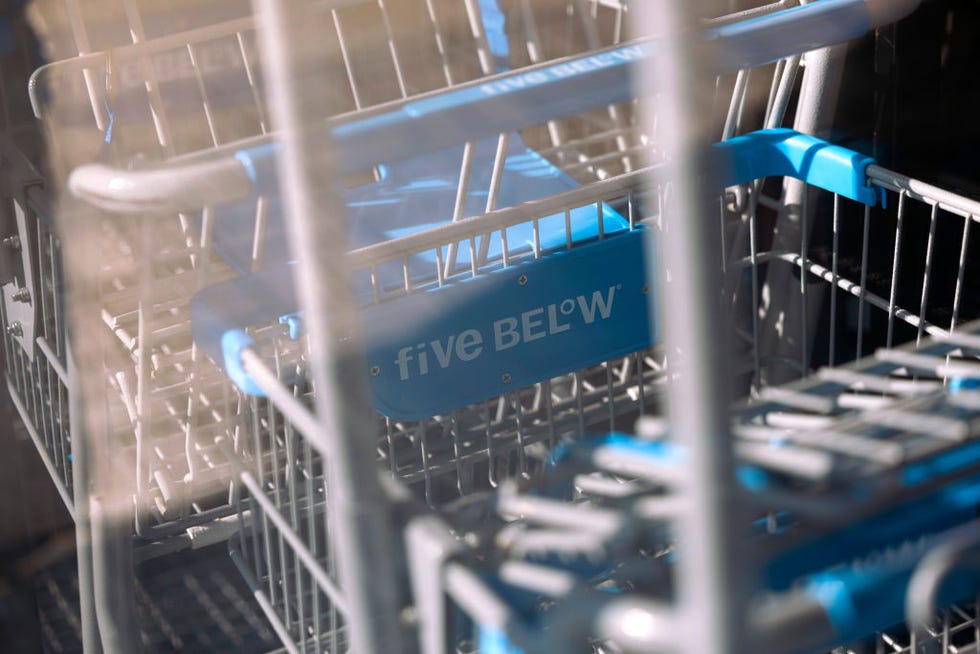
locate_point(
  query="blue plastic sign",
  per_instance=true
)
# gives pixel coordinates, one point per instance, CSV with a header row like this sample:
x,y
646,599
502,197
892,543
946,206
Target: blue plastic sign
x,y
438,351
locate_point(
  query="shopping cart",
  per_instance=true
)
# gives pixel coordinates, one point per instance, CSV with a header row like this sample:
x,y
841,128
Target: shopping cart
x,y
131,84
277,442
284,575
174,93
631,384
860,494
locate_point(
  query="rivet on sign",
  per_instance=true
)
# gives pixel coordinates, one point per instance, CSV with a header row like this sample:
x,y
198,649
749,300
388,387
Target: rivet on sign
x,y
505,378
375,371
522,280
646,289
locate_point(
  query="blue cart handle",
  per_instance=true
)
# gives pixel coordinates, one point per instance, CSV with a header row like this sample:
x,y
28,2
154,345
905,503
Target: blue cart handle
x,y
482,109
264,297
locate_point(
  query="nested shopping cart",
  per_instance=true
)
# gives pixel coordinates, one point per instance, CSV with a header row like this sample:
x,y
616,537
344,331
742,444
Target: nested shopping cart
x,y
282,575
880,202
132,85
500,437
859,496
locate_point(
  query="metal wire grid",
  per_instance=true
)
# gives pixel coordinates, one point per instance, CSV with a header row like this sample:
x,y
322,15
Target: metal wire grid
x,y
958,633
879,417
161,97
178,415
37,384
877,301
459,453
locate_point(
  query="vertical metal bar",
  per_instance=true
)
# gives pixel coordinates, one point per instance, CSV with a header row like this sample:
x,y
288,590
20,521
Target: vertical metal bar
x,y
896,268
835,254
958,293
113,575
440,42
754,310
277,494
927,273
345,57
203,90
84,47
91,642
815,108
496,178
393,49
532,41
252,85
864,281
291,43
487,65
314,537
737,106
708,593
462,193
804,272
258,235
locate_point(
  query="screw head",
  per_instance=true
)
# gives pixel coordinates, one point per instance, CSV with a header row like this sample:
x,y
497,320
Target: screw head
x,y
522,280
15,329
646,289
505,378
22,294
375,371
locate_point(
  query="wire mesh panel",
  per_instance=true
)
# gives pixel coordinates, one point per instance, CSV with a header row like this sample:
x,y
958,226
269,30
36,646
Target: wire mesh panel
x,y
489,218
849,493
513,434
159,92
162,91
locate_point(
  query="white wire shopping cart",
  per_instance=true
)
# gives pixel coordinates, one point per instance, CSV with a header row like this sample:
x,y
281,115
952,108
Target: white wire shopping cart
x,y
151,84
438,445
193,92
272,531
606,397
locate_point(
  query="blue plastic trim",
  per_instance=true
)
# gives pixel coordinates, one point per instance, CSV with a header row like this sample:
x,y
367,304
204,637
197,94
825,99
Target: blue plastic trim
x,y
495,26
833,595
233,342
493,641
948,507
294,321
869,596
942,464
783,152
957,384
774,152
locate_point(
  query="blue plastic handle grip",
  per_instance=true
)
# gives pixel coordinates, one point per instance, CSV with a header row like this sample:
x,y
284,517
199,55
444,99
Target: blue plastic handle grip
x,y
944,509
264,297
785,153
861,599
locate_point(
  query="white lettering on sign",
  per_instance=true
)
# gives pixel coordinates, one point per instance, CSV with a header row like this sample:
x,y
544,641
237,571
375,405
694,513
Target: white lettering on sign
x,y
567,69
506,333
